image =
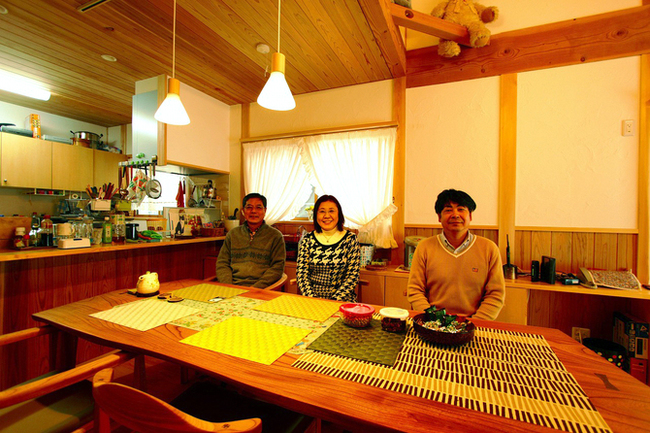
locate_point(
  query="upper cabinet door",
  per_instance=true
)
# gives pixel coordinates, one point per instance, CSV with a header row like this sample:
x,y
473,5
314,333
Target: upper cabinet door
x,y
106,167
72,167
26,162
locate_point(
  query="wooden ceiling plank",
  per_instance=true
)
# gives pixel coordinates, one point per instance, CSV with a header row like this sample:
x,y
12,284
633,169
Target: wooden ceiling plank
x,y
302,45
386,34
605,36
341,46
370,49
426,23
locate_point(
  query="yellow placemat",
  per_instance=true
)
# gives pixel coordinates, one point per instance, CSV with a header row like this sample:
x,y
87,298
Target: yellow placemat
x,y
205,292
144,315
250,339
300,306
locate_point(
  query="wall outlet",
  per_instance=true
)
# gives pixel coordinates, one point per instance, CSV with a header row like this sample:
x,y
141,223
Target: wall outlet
x,y
579,334
628,128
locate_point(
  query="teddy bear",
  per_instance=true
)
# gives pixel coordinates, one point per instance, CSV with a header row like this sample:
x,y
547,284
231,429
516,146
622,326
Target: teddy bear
x,y
470,15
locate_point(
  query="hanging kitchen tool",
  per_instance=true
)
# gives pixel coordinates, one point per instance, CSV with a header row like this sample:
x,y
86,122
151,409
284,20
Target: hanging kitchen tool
x,y
153,189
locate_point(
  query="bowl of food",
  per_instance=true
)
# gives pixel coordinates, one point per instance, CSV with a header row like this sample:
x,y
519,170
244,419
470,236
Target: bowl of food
x,y
356,315
444,329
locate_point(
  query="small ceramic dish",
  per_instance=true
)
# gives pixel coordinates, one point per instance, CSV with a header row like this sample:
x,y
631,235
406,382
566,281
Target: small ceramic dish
x,y
356,315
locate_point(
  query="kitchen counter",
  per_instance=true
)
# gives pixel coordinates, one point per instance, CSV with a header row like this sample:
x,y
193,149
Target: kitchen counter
x,y
43,252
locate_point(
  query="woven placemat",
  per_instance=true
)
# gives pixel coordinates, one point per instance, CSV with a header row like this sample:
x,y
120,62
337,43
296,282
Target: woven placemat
x,y
146,314
205,292
508,374
300,306
366,344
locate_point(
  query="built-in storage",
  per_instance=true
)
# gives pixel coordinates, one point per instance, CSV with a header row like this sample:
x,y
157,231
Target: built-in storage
x,y
26,162
34,163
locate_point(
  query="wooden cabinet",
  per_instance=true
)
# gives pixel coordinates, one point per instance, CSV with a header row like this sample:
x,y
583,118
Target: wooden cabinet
x,y
105,167
25,162
396,292
290,270
72,167
373,293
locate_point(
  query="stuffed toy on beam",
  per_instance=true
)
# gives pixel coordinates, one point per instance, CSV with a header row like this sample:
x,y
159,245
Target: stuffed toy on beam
x,y
470,15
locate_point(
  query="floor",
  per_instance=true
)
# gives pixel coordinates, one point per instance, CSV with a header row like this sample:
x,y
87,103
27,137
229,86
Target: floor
x,y
164,382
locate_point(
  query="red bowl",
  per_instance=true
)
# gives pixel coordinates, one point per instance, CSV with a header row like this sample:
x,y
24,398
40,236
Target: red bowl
x,y
356,315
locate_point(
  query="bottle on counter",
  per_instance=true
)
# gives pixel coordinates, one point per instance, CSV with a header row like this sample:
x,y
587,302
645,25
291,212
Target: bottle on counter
x,y
88,226
119,228
107,231
34,232
21,240
47,232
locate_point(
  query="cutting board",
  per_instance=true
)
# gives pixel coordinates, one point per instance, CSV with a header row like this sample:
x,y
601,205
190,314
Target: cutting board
x,y
8,229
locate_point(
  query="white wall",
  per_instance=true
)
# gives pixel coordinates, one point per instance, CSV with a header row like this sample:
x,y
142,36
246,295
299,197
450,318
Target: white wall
x,y
452,141
51,124
574,166
205,142
518,14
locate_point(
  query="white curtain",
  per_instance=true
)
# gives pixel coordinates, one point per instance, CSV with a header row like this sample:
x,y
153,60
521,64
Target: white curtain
x,y
357,168
273,168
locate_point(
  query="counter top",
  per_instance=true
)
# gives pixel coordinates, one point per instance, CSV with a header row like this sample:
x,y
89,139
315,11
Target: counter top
x,y
42,252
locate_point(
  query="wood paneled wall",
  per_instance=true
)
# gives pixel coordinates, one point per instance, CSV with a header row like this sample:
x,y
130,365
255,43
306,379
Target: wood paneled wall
x,y
30,286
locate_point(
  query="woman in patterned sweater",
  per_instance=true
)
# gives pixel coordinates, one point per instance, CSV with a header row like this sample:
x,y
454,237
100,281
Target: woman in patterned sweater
x,y
329,257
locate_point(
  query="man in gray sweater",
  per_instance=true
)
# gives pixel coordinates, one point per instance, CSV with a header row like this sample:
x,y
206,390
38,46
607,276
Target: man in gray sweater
x,y
252,254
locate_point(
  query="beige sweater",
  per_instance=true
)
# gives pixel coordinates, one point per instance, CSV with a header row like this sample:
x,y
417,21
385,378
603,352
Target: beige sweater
x,y
470,283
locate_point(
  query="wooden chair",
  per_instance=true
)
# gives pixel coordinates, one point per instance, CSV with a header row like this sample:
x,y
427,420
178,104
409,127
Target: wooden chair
x,y
278,286
144,413
294,283
58,401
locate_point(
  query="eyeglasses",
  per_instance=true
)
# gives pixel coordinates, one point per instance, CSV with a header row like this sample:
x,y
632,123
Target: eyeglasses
x,y
257,208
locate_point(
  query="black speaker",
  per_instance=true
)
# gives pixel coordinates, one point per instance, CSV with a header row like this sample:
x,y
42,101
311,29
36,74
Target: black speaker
x,y
547,271
534,270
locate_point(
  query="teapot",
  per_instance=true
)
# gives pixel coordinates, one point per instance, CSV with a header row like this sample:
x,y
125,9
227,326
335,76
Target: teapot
x,y
148,284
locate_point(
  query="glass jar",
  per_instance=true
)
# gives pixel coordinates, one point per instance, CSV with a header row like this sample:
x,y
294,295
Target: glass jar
x,y
393,319
20,239
119,228
47,232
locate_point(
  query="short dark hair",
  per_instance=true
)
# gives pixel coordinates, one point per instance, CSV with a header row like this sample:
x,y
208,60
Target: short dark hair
x,y
322,199
253,195
461,198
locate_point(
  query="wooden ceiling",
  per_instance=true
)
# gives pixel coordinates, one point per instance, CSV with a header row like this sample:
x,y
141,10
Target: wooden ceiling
x,y
327,43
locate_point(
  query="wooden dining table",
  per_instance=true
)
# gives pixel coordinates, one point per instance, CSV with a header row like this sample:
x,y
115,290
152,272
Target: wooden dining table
x,y
621,400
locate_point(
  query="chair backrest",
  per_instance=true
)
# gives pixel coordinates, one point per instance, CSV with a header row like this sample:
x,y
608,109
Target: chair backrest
x,y
145,413
278,286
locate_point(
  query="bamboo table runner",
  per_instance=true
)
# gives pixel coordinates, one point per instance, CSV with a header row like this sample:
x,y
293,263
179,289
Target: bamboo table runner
x,y
504,373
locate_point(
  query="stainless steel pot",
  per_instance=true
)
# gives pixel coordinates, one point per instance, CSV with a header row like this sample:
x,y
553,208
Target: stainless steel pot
x,y
86,139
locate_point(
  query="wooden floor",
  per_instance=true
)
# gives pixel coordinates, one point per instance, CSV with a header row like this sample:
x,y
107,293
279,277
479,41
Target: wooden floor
x,y
164,382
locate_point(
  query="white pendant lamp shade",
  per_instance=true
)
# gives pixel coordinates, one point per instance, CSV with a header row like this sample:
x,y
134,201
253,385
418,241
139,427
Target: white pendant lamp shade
x,y
171,110
276,94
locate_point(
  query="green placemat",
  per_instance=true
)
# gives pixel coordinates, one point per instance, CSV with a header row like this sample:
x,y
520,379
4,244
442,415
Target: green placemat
x,y
365,344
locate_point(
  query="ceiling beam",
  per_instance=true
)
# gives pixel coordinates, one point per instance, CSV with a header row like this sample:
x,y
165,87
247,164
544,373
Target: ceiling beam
x,y
605,36
387,34
426,23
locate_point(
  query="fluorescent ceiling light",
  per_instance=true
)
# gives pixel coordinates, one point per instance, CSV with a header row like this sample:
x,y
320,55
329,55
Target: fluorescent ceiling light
x,y
15,83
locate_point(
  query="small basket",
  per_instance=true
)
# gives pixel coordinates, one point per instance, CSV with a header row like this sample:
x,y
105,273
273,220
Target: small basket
x,y
446,338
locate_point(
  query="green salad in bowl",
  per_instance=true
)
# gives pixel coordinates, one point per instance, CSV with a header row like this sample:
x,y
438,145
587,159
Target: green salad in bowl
x,y
436,326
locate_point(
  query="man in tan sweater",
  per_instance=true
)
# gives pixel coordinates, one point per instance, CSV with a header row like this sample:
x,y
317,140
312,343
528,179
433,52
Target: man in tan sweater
x,y
457,270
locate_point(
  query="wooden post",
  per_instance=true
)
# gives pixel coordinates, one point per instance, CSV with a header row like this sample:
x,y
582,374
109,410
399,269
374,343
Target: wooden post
x,y
643,243
399,169
507,164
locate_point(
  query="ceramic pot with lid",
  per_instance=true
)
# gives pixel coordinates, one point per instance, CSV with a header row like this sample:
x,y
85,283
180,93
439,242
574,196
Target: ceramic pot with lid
x,y
86,139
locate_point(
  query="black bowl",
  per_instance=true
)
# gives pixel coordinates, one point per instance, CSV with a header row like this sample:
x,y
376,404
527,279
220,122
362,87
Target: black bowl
x,y
440,337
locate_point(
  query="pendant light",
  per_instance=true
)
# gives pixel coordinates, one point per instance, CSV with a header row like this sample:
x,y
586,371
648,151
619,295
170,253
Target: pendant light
x,y
276,94
171,110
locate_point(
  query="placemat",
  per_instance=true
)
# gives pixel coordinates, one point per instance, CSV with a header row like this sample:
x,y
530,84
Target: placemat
x,y
250,339
504,373
300,306
366,344
205,292
144,315
210,314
